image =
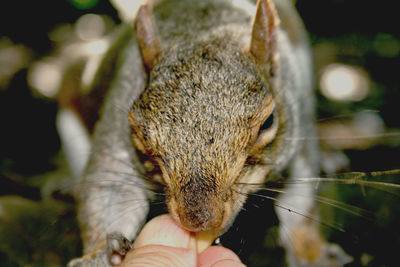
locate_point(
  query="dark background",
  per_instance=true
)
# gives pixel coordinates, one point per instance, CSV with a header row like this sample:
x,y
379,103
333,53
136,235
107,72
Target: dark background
x,y
42,230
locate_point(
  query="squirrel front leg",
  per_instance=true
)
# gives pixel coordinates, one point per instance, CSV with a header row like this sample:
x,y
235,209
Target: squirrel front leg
x,y
112,194
113,206
299,229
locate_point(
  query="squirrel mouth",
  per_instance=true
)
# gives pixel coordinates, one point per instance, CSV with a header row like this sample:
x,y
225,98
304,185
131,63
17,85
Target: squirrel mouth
x,y
203,217
204,229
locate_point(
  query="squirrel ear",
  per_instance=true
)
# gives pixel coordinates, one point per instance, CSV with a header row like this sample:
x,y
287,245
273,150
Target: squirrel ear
x,y
264,36
147,36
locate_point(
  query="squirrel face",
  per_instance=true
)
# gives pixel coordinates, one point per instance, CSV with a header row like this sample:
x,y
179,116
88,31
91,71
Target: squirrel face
x,y
201,118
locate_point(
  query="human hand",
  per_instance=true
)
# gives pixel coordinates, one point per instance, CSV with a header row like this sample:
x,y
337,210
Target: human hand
x,y
163,243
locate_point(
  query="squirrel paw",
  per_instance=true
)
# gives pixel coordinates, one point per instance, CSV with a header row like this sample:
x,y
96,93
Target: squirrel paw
x,y
117,247
114,253
308,249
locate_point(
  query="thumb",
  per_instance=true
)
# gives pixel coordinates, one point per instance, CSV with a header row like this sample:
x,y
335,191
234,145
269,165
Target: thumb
x,y
162,243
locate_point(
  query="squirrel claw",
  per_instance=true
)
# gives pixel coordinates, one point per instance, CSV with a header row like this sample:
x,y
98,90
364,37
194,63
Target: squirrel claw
x,y
114,253
117,247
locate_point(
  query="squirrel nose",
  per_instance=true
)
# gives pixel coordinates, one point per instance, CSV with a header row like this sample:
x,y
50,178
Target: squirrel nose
x,y
201,216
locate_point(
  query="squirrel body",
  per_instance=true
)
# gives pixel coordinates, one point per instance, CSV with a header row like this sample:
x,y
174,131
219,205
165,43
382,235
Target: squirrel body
x,y
216,109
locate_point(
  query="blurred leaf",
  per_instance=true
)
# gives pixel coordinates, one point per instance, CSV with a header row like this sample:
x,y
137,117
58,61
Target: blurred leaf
x,y
84,4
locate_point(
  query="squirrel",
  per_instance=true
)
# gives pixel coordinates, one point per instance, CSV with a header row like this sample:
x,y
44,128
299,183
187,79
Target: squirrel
x,y
208,98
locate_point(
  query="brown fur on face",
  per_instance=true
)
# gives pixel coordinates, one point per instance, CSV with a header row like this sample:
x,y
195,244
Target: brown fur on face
x,y
197,116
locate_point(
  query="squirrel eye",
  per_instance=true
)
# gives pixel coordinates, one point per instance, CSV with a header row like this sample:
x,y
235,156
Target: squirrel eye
x,y
267,131
267,123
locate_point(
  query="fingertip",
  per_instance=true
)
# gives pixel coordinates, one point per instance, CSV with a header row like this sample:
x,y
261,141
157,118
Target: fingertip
x,y
162,230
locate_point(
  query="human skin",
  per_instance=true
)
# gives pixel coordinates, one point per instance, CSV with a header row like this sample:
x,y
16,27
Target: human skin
x,y
163,243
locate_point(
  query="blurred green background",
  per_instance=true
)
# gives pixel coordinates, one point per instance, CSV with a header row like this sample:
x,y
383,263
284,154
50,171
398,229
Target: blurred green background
x,y
356,46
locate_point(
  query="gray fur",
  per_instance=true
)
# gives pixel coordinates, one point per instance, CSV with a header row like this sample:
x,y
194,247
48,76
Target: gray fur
x,y
195,114
113,176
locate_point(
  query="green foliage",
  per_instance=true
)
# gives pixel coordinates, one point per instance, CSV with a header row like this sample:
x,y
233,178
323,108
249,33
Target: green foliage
x,y
37,233
84,4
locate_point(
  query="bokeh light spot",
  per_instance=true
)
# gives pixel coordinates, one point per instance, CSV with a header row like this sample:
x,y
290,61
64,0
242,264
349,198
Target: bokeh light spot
x,y
45,76
342,82
90,27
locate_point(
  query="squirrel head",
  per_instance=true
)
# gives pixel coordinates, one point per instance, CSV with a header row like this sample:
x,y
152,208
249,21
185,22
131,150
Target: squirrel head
x,y
204,116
